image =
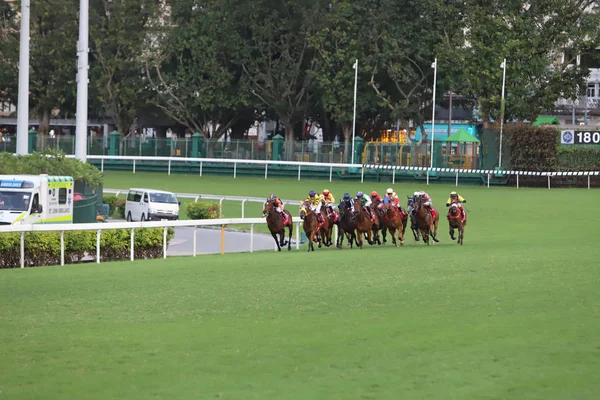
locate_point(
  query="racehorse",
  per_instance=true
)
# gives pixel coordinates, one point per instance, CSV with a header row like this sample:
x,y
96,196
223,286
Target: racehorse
x,y
414,228
394,219
346,227
310,224
363,224
277,225
326,228
377,223
426,222
456,221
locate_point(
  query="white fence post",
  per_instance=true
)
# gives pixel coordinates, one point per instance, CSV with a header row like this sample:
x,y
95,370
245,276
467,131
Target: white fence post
x,y
200,168
221,207
134,165
169,173
298,236
131,251
98,234
588,181
266,168
548,181
299,166
337,233
488,183
428,177
22,249
234,170
517,180
195,228
102,165
165,242
393,176
251,238
243,207
456,178
62,248
362,174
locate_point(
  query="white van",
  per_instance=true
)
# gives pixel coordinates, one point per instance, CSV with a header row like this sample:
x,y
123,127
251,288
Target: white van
x,y
36,199
150,204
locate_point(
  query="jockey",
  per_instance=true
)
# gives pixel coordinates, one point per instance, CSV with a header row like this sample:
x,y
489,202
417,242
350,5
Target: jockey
x,y
346,204
425,196
365,201
458,199
315,204
391,198
277,203
376,199
328,199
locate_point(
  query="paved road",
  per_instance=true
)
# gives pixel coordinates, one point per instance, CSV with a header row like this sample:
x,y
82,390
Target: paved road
x,y
208,241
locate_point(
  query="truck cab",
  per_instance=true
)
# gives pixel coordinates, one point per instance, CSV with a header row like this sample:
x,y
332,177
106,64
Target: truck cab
x,y
33,199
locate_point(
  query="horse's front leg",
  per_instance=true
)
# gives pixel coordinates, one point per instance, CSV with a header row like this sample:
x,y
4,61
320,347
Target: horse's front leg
x,y
274,234
393,234
452,232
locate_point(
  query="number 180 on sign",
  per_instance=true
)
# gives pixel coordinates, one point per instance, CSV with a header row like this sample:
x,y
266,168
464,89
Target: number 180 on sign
x,y
580,137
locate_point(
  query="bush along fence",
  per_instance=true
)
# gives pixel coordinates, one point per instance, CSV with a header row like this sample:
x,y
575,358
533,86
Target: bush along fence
x,y
44,248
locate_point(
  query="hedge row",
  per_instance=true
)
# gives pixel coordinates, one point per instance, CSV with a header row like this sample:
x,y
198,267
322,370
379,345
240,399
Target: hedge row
x,y
538,149
43,248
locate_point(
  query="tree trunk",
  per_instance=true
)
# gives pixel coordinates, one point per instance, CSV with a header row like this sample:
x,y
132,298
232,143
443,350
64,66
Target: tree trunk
x,y
44,127
289,140
347,129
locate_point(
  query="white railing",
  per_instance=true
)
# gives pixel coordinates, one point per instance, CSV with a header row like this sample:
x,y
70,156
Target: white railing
x,y
99,227
219,197
331,166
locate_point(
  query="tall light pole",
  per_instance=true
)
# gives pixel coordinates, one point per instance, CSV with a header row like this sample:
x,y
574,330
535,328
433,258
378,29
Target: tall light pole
x,y
355,66
81,128
23,101
434,66
502,106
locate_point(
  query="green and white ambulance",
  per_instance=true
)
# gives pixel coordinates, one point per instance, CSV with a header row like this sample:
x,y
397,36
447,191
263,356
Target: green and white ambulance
x,y
36,199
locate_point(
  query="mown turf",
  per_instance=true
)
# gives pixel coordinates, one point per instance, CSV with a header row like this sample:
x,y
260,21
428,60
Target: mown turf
x,y
511,314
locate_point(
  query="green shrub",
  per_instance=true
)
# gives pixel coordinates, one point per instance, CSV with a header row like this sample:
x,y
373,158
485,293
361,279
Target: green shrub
x,y
43,248
116,206
532,148
50,162
575,158
202,210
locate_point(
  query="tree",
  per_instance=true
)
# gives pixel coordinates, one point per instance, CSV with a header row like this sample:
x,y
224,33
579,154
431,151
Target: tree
x,y
118,34
53,58
343,39
194,68
277,70
9,58
403,53
531,36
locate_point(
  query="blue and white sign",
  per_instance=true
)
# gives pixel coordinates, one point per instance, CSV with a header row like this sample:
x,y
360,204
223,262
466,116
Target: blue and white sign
x,y
566,137
11,184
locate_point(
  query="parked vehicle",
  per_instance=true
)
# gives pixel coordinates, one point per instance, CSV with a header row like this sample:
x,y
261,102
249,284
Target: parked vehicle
x,y
151,205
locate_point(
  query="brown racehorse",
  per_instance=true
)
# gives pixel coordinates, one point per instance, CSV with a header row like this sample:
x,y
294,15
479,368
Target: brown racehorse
x,y
395,220
326,229
277,225
456,221
346,227
364,224
377,223
310,224
426,223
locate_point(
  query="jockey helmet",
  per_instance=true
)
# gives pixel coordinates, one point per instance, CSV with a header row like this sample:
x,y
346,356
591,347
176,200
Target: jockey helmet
x,y
346,196
312,193
453,194
272,197
326,192
390,191
374,194
359,195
